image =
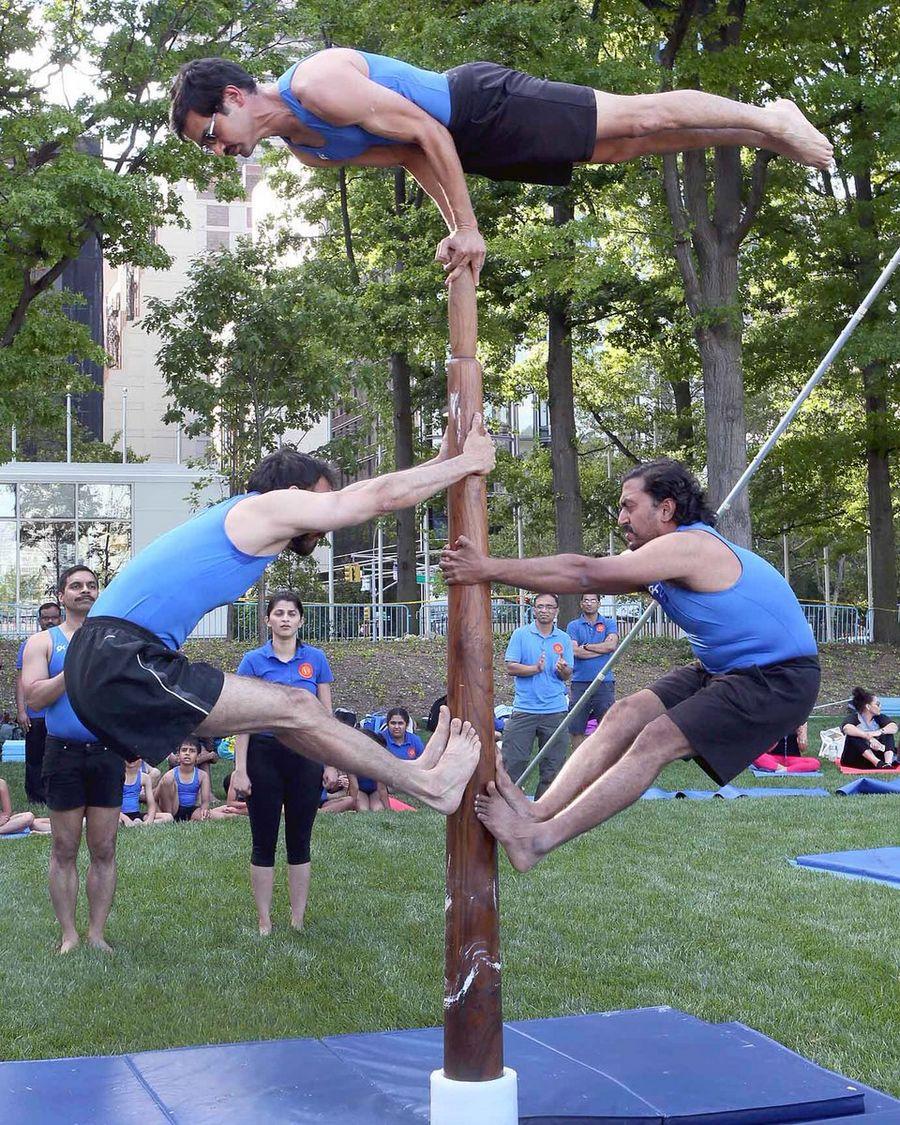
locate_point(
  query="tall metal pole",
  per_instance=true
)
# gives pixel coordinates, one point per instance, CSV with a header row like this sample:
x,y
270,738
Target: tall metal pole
x,y
13,443
473,1027
520,530
870,590
124,425
330,538
426,589
68,429
786,555
829,626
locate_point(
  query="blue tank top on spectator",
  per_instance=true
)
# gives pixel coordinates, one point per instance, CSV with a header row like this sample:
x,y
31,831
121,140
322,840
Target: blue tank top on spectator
x,y
181,576
187,790
62,722
28,710
429,90
584,632
543,693
411,746
757,621
131,793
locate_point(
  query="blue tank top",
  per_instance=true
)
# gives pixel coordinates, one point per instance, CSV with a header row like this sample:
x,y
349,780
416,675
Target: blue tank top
x,y
187,790
756,621
61,720
131,794
181,576
426,88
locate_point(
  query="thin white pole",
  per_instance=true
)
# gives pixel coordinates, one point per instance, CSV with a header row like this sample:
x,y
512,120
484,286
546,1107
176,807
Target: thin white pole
x,y
829,629
13,443
330,538
785,550
178,444
740,484
124,425
380,546
426,589
68,429
870,590
520,530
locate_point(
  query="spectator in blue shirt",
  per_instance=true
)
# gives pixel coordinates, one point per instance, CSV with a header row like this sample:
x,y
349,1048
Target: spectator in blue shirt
x,y
398,738
594,638
539,657
272,775
31,721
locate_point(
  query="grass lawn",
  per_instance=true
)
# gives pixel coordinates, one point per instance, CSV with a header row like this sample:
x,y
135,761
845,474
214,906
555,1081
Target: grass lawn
x,y
691,904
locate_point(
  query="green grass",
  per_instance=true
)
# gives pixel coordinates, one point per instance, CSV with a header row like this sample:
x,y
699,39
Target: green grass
x,y
691,904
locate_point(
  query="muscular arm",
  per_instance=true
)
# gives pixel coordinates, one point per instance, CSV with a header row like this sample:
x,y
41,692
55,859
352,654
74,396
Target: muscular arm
x,y
264,525
514,668
323,691
41,689
670,557
22,717
148,797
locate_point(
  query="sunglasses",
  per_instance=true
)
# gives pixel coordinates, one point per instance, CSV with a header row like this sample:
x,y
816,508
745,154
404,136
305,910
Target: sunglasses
x,y
208,136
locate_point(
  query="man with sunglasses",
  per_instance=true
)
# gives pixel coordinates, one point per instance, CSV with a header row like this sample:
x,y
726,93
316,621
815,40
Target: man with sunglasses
x,y
342,106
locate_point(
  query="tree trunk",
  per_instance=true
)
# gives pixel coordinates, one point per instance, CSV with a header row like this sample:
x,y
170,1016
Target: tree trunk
x,y
407,587
684,419
563,446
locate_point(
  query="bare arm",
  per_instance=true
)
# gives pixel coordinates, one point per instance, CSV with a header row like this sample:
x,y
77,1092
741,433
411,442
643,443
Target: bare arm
x,y
264,525
239,778
5,802
514,668
41,689
669,557
205,794
22,716
149,798
323,691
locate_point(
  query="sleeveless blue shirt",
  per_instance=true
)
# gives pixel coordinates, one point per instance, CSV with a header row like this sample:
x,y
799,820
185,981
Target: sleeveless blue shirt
x,y
429,90
131,793
188,791
181,576
758,620
61,720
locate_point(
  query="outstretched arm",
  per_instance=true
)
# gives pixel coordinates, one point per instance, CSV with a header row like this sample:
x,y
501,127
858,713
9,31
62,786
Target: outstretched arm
x,y
264,525
669,557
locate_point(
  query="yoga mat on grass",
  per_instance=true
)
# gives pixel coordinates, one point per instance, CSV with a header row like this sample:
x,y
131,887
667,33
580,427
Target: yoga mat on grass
x,y
878,865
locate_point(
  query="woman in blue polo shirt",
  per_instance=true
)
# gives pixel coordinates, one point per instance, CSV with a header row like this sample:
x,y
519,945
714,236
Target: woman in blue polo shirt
x,y
398,738
270,773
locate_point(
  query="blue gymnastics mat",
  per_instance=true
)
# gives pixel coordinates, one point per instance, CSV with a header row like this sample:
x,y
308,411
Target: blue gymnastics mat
x,y
731,793
879,865
13,750
867,785
649,1066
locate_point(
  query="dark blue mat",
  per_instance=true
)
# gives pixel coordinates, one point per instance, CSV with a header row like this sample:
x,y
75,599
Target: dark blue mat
x,y
864,785
651,1066
879,865
795,776
730,793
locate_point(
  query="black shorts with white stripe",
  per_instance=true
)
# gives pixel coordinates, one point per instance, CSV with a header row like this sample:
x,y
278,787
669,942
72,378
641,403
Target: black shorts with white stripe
x,y
137,695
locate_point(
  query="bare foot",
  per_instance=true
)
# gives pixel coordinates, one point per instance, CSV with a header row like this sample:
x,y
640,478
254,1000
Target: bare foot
x,y
265,927
436,745
514,832
68,943
296,923
801,140
442,786
513,795
99,943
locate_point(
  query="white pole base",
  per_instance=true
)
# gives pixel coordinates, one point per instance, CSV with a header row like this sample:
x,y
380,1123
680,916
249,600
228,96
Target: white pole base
x,y
475,1103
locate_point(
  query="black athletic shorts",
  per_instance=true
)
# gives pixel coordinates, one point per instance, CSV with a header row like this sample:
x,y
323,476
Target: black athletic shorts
x,y
510,126
184,812
133,815
82,774
730,718
133,692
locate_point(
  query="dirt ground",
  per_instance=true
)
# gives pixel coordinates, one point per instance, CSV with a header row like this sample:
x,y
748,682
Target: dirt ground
x,y
410,672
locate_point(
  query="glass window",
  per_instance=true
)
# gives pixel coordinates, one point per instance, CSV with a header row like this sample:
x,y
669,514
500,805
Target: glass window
x,y
7,560
46,548
44,500
7,500
104,546
216,239
112,501
217,216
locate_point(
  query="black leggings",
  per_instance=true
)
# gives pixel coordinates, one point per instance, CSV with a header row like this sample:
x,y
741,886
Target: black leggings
x,y
278,776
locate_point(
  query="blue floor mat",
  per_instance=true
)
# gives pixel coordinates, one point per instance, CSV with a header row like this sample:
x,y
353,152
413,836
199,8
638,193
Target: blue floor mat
x,y
864,785
650,1066
16,835
880,865
783,773
731,793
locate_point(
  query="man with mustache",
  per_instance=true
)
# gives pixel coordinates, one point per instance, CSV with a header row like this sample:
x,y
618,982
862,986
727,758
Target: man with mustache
x,y
82,775
755,677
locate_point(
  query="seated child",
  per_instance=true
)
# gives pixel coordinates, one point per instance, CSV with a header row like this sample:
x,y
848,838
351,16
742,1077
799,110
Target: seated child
x,y
185,791
339,791
11,822
137,787
235,802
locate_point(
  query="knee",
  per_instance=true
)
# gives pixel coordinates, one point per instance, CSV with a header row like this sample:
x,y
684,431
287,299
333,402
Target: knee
x,y
103,852
662,741
63,852
27,819
262,856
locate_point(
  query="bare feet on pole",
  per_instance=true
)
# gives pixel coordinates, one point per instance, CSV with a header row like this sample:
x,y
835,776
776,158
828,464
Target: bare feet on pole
x,y
799,138
436,745
513,795
517,834
441,785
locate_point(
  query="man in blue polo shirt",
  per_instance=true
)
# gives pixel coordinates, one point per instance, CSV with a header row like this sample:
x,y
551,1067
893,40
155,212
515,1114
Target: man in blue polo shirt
x,y
31,721
540,657
594,638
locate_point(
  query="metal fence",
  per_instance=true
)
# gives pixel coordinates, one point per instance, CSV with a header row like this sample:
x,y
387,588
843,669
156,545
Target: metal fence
x,y
344,622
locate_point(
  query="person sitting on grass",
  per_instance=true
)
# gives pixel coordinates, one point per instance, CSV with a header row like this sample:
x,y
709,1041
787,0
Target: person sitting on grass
x,y
339,792
397,736
868,735
137,787
185,791
235,800
11,823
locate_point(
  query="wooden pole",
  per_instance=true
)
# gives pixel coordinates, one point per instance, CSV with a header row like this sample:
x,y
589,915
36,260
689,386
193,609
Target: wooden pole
x,y
473,1023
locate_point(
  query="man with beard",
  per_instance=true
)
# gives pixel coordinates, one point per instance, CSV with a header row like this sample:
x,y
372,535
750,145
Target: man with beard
x,y
31,721
82,775
756,673
126,676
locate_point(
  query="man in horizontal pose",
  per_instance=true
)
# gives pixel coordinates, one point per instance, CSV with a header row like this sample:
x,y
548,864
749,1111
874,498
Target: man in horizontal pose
x,y
124,672
342,106
756,673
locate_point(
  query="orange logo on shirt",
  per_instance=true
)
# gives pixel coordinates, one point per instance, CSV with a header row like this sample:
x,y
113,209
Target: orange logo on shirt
x,y
411,752
306,670
558,649
600,627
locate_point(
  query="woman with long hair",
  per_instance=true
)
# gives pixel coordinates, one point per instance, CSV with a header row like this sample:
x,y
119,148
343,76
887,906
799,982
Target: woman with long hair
x,y
868,735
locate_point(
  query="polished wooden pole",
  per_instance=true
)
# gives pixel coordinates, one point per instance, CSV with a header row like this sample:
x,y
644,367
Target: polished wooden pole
x,y
473,1024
